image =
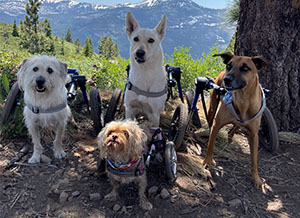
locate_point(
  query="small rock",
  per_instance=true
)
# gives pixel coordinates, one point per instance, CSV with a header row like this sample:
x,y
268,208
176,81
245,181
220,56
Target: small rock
x,y
75,193
95,196
63,197
116,207
124,209
235,203
231,180
62,215
152,191
164,194
147,215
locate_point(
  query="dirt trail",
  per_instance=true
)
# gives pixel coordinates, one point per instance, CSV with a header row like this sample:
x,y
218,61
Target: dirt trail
x,y
72,187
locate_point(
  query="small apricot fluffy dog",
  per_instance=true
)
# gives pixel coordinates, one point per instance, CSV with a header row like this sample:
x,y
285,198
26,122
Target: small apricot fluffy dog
x,y
43,80
122,144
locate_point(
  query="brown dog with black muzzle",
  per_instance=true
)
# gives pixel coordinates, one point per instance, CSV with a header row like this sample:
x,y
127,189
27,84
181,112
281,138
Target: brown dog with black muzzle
x,y
240,79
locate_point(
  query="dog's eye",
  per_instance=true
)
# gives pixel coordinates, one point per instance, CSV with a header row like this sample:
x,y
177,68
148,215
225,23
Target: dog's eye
x,y
151,40
109,133
244,68
228,67
136,39
49,70
35,69
126,134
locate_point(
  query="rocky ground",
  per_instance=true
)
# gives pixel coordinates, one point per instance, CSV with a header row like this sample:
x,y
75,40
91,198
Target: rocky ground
x,y
73,187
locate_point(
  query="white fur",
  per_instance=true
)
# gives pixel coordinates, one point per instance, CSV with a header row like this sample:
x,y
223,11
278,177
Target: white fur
x,y
54,95
148,76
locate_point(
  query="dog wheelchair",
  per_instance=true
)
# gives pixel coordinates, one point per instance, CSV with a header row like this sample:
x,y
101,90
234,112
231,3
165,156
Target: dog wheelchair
x,y
268,133
15,97
159,145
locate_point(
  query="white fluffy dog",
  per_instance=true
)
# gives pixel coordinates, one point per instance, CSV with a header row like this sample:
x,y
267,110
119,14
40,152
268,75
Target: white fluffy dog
x,y
43,80
146,90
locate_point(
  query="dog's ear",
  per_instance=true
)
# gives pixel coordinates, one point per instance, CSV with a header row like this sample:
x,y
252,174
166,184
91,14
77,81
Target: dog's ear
x,y
21,71
100,140
259,62
63,69
131,23
226,57
161,27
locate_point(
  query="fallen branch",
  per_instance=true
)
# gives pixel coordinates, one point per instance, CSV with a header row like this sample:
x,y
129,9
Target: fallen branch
x,y
35,165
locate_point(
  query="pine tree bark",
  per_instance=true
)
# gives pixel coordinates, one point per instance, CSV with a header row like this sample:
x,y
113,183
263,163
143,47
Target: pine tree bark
x,y
271,28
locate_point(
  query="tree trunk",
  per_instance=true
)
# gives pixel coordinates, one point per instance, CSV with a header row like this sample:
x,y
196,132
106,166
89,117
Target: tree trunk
x,y
270,28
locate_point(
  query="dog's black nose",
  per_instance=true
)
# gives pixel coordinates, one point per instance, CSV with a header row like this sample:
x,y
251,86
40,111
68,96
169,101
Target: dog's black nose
x,y
228,79
40,81
140,53
114,137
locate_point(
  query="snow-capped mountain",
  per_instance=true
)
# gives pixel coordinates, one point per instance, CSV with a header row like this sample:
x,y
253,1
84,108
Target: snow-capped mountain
x,y
188,24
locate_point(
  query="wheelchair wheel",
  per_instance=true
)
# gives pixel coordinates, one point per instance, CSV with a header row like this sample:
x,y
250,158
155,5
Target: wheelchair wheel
x,y
268,133
112,106
96,109
10,103
171,161
178,126
189,99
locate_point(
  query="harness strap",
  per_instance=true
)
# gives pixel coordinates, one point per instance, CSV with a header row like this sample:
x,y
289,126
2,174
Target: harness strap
x,y
138,171
37,110
228,101
138,91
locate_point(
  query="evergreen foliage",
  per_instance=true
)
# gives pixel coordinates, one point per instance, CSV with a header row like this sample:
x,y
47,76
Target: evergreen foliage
x,y
232,12
77,43
107,48
15,30
88,47
68,37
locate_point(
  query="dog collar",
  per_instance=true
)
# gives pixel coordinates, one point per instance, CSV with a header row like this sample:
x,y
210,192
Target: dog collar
x,y
138,91
228,101
130,169
38,110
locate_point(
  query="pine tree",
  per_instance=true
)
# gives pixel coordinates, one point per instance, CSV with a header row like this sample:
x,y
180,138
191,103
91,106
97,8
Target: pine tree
x,y
62,49
88,47
45,27
77,43
30,37
107,48
15,31
69,36
232,13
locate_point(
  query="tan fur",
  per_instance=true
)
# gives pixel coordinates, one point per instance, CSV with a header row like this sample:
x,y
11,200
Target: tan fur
x,y
122,141
247,102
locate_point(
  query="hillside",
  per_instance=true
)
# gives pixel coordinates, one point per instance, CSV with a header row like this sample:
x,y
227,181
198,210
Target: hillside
x,y
188,24
10,43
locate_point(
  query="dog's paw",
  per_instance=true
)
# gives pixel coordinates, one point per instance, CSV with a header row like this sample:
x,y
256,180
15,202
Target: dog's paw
x,y
112,196
145,204
34,159
59,153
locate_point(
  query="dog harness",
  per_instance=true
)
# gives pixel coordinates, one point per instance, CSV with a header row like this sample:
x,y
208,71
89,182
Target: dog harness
x,y
37,110
228,101
138,91
132,168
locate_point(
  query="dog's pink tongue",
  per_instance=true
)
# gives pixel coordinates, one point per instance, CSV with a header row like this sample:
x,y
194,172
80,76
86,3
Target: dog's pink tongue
x,y
109,143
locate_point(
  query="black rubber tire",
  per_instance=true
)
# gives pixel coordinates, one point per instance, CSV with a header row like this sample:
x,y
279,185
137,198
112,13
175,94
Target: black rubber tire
x,y
171,161
10,103
112,106
96,110
178,126
189,100
268,133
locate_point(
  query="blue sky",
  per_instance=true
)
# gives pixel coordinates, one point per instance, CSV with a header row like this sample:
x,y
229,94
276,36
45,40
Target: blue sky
x,y
206,3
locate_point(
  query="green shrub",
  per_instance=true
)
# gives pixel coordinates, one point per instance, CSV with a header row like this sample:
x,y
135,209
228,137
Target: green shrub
x,y
205,66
